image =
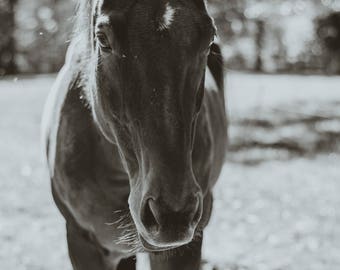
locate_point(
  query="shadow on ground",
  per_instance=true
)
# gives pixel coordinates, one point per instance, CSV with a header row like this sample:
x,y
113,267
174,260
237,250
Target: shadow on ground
x,y
300,130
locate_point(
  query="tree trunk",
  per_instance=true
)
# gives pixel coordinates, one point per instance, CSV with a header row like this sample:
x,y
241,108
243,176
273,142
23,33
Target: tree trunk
x,y
7,42
259,40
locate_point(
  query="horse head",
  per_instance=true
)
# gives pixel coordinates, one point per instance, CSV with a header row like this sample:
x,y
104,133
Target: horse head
x,y
148,62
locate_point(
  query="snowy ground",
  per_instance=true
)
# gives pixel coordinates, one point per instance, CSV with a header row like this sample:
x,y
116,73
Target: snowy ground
x,y
277,202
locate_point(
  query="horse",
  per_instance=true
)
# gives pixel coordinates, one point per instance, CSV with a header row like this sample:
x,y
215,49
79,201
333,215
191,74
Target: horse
x,y
135,132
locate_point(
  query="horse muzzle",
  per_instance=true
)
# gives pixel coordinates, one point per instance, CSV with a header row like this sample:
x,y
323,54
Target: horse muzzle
x,y
167,225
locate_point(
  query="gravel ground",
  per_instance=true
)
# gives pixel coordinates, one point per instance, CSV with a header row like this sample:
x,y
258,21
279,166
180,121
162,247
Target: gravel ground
x,y
276,204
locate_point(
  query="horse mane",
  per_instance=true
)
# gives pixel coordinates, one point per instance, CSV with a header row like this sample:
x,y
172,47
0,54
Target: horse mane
x,y
82,19
81,41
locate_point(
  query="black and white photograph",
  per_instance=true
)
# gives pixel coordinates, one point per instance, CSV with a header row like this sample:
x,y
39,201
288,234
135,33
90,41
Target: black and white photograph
x,y
169,134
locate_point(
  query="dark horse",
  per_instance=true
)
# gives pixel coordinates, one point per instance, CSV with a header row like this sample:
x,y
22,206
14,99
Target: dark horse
x,y
135,132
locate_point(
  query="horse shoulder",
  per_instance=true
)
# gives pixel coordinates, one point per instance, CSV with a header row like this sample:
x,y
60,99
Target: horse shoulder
x,y
84,167
65,80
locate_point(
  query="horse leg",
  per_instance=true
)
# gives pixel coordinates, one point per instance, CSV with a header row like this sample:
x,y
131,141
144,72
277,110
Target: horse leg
x,y
85,254
184,258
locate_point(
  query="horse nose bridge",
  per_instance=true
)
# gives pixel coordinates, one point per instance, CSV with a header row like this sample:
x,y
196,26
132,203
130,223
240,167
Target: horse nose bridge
x,y
185,205
174,192
160,213
178,196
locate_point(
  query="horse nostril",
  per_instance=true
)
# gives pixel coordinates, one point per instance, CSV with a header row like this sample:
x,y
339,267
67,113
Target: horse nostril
x,y
157,216
149,216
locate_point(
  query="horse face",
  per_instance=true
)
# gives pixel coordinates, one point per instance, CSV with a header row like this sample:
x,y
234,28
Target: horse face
x,y
150,58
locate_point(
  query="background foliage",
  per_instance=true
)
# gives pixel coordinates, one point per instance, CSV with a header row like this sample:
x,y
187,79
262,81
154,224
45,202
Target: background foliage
x,y
257,35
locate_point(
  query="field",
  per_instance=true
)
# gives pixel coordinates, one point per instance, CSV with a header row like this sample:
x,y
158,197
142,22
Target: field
x,y
277,202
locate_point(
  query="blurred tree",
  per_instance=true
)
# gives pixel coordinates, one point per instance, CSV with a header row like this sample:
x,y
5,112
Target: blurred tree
x,y
229,17
42,34
259,41
328,29
254,34
328,32
7,41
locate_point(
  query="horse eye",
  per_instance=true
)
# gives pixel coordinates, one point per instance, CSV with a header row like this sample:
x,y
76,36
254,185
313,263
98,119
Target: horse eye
x,y
103,41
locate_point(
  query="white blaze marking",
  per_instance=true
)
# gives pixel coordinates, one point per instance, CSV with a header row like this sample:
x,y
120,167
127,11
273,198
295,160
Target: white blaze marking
x,y
210,83
168,17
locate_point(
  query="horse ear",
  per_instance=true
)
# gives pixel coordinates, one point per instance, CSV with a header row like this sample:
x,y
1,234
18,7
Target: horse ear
x,y
201,4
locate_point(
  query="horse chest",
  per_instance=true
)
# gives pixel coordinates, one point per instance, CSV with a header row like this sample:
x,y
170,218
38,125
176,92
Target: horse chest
x,y
89,181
